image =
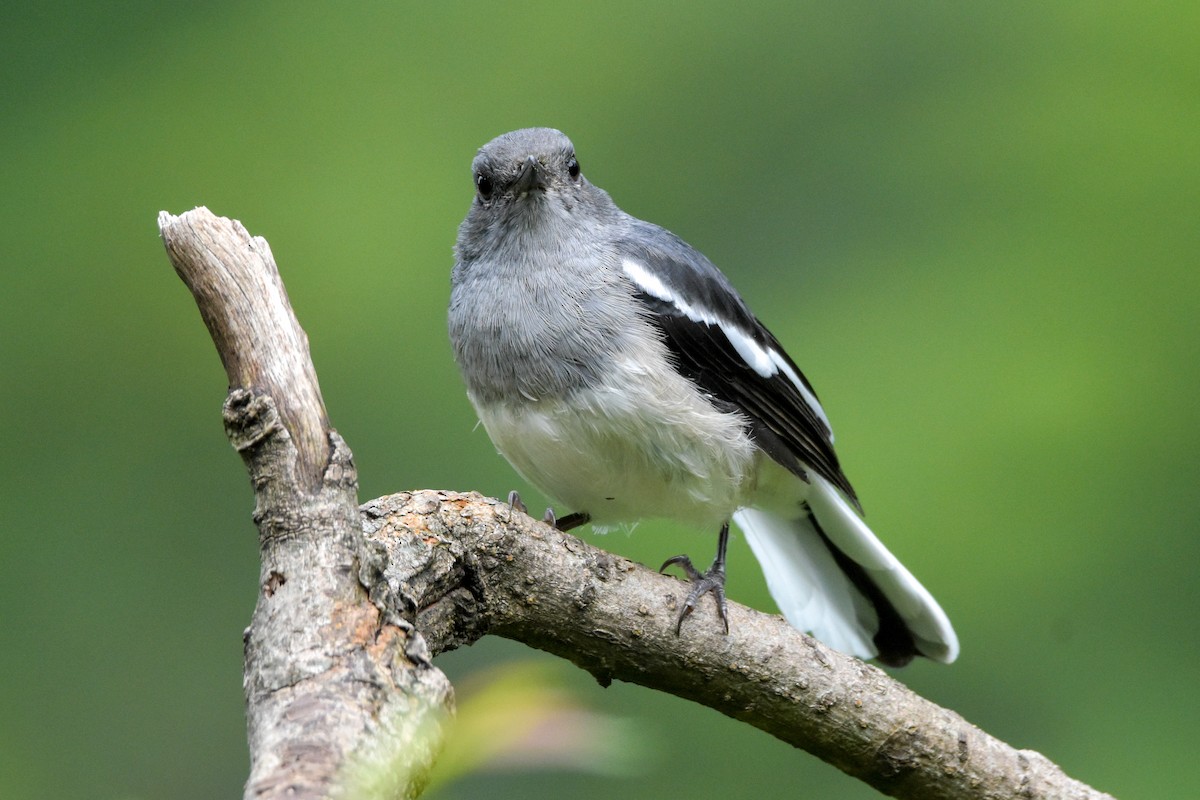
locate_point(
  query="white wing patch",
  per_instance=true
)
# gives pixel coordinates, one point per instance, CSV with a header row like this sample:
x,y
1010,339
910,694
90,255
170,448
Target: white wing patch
x,y
750,351
652,285
766,361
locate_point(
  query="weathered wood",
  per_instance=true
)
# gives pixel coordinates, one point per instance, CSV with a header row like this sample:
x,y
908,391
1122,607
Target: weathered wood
x,y
475,567
334,705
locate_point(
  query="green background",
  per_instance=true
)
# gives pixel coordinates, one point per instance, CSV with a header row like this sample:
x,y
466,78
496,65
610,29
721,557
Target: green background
x,y
974,225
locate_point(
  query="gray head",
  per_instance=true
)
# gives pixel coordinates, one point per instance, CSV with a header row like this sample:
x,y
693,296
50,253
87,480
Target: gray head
x,y
534,313
526,181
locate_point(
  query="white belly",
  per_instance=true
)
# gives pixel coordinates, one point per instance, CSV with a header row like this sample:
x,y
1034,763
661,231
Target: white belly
x,y
642,446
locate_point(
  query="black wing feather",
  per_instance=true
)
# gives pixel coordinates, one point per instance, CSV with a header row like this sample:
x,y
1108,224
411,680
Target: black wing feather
x,y
780,419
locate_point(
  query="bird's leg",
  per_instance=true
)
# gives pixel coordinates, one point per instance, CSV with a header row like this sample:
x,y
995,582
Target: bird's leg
x,y
565,524
704,582
569,521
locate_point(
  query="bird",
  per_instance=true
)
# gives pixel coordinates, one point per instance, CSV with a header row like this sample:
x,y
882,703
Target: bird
x,y
618,370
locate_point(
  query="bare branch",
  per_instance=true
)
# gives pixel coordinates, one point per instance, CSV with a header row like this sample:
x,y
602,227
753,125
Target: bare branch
x,y
243,302
334,705
474,567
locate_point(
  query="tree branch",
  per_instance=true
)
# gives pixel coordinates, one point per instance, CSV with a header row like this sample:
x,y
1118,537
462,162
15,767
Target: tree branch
x,y
473,567
341,699
334,705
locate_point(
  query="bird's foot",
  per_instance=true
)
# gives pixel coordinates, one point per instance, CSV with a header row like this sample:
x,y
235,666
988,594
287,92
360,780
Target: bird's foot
x,y
710,582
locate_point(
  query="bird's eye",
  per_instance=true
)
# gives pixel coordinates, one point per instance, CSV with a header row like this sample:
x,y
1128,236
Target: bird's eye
x,y
483,184
573,167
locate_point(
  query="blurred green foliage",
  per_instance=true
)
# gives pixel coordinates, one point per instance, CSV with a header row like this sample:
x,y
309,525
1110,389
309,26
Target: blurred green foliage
x,y
974,225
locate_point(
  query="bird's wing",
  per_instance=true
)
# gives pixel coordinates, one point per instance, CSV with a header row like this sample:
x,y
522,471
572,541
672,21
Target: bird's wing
x,y
722,347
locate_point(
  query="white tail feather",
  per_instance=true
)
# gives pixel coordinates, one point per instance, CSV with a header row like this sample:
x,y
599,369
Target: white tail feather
x,y
809,588
815,595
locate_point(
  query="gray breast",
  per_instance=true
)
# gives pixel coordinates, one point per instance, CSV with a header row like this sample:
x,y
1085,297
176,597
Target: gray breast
x,y
520,331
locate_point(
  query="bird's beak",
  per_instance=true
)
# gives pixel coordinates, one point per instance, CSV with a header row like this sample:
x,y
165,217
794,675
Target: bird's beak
x,y
533,176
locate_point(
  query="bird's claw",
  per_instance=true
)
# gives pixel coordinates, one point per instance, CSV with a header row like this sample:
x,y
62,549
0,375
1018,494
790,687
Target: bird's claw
x,y
710,582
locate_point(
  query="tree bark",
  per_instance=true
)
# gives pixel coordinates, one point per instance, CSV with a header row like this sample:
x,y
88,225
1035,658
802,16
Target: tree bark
x,y
474,567
335,704
341,697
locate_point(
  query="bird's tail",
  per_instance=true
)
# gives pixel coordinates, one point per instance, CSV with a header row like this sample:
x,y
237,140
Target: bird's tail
x,y
831,576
